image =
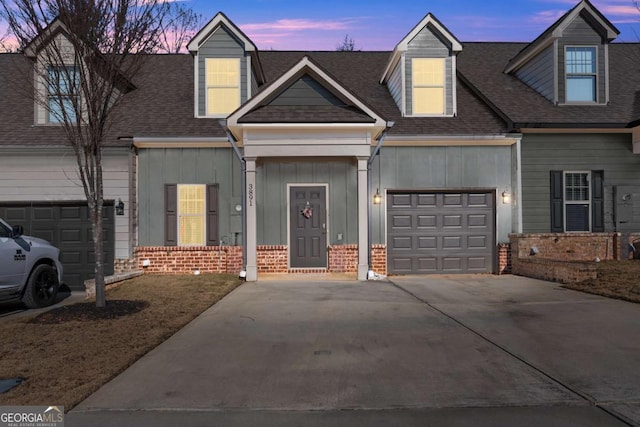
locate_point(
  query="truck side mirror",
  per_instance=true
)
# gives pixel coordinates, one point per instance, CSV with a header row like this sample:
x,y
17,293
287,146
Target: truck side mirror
x,y
17,231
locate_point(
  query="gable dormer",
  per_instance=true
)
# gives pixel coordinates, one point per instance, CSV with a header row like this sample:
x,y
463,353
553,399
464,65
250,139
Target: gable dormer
x,y
227,70
421,73
568,63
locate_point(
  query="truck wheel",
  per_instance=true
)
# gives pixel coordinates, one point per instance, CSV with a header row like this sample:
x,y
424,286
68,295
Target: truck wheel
x,y
42,287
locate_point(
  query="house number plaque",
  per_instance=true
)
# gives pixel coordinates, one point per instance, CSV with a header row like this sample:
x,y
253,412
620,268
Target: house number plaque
x,y
250,194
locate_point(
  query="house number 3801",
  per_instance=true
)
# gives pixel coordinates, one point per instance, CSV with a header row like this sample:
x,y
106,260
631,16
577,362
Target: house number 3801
x,y
250,194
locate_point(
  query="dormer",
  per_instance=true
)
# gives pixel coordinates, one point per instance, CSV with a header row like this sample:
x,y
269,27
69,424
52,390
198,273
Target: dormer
x,y
227,70
421,73
569,63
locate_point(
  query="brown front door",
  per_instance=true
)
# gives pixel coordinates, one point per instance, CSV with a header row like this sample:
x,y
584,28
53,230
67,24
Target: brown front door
x,y
308,216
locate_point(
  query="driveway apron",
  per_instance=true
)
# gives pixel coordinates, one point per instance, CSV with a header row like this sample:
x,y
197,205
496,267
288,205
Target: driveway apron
x,y
473,350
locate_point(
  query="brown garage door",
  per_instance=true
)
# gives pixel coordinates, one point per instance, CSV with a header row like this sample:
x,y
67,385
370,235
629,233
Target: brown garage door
x,y
440,232
67,226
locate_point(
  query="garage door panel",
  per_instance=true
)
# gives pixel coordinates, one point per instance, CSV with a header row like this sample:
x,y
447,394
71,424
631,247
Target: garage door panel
x,y
449,221
477,263
67,226
455,234
426,200
450,264
427,264
478,220
427,242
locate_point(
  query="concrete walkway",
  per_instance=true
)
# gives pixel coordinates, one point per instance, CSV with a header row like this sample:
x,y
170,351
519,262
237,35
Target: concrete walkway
x,y
457,350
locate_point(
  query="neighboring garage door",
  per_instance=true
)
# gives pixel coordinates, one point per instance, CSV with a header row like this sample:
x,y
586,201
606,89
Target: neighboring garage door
x,y
67,226
440,232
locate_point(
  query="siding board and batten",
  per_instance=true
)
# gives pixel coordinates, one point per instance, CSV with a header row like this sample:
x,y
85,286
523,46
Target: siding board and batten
x,y
428,45
221,44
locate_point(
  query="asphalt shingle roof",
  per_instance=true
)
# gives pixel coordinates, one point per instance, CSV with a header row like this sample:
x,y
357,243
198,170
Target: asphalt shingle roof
x,y
163,103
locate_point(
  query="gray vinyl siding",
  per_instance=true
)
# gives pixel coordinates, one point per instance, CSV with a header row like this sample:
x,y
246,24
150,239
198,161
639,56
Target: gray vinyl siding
x,y
439,168
254,84
580,33
271,194
221,44
158,167
306,91
427,45
539,73
45,175
395,85
578,152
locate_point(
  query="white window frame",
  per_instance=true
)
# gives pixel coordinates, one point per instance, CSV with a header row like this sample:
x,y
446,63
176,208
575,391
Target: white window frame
x,y
207,87
566,202
444,89
594,75
51,118
180,215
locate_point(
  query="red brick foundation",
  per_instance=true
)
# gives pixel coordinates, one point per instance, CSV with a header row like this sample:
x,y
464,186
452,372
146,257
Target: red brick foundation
x,y
504,258
228,259
562,257
187,259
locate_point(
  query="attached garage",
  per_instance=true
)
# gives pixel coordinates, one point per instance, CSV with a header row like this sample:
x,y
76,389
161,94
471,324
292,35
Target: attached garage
x,y
440,232
67,226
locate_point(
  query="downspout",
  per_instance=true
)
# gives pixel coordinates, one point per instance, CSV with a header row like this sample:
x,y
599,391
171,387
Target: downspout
x,y
375,152
243,185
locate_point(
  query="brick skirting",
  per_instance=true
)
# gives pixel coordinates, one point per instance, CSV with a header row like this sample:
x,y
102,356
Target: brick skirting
x,y
228,259
504,258
562,257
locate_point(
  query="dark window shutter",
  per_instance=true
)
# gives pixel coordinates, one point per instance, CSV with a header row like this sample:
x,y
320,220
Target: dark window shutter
x,y
212,215
557,205
597,201
171,215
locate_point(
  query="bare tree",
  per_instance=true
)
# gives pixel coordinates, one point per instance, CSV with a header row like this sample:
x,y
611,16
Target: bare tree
x,y
182,24
348,44
85,54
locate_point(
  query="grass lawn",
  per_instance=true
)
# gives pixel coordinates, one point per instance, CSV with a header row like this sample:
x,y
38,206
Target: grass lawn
x,y
66,354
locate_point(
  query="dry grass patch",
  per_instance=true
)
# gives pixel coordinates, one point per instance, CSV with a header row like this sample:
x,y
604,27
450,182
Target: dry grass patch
x,y
616,279
72,354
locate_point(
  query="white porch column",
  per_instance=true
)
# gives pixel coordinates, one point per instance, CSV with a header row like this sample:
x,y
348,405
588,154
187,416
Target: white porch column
x,y
252,230
363,219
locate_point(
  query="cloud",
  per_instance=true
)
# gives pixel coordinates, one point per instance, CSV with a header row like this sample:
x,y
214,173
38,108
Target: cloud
x,y
300,25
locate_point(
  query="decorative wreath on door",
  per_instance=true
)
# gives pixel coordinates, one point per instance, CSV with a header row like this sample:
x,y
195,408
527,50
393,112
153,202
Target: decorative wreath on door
x,y
307,212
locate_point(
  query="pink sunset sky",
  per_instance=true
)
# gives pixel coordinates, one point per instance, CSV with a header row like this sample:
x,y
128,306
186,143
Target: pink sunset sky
x,y
379,25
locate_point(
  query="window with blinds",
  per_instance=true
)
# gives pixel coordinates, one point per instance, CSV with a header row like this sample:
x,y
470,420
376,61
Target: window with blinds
x,y
428,86
223,85
192,215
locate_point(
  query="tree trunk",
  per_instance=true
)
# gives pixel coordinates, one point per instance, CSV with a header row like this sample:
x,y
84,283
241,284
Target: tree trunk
x,y
96,216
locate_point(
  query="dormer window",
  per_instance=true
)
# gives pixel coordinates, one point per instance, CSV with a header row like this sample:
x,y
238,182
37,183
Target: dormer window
x,y
63,89
580,67
223,85
428,86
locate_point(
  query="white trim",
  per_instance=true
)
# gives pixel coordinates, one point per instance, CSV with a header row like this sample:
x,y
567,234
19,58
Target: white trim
x,y
327,219
556,73
298,69
207,31
606,74
180,142
403,70
594,75
519,184
454,86
403,45
196,85
576,202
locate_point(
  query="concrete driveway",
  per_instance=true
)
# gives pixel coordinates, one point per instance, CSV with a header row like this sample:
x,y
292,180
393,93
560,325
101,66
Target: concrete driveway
x,y
420,350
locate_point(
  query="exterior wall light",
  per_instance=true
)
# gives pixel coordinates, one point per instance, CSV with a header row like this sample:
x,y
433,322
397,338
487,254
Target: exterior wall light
x,y
506,197
120,207
377,198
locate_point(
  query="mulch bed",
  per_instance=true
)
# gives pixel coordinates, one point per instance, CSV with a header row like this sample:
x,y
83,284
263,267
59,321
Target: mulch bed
x,y
87,311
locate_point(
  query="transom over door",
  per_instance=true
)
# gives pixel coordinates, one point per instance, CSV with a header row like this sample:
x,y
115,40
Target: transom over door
x,y
308,225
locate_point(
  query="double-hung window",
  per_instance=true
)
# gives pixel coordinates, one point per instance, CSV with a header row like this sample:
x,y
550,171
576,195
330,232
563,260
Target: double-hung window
x,y
428,86
580,73
63,90
577,201
223,85
191,215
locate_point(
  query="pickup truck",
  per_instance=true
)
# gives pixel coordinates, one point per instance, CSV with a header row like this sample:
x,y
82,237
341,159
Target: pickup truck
x,y
30,268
